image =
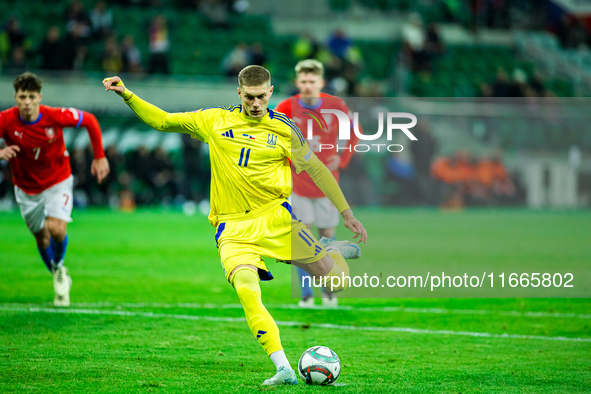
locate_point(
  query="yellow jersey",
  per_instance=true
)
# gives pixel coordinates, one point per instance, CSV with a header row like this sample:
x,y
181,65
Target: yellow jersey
x,y
250,157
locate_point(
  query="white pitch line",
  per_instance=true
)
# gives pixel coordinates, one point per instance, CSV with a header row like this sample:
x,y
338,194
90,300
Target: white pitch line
x,y
289,323
442,311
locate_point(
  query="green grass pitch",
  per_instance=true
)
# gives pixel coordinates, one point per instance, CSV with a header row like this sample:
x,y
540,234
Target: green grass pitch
x,y
152,312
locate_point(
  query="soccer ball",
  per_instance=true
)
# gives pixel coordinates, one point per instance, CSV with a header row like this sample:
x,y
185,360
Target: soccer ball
x,y
319,365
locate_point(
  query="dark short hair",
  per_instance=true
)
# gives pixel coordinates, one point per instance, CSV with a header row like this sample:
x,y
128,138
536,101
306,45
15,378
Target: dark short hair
x,y
254,76
28,82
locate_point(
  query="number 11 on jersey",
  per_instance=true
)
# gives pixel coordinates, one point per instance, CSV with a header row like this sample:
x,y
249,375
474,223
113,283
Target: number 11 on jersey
x,y
242,157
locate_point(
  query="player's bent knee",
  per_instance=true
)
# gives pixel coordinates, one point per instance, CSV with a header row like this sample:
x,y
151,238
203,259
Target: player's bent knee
x,y
318,268
56,227
246,267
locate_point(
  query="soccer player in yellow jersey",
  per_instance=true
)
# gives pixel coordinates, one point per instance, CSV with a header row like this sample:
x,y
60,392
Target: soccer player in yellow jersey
x,y
250,149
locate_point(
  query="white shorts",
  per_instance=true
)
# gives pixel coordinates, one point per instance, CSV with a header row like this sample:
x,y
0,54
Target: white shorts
x,y
317,211
55,202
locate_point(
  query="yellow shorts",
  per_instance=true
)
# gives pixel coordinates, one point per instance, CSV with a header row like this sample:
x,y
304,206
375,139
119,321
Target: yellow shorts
x,y
270,231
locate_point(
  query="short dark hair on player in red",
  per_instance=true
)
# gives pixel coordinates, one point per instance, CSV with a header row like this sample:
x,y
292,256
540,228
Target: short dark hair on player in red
x,y
27,82
254,76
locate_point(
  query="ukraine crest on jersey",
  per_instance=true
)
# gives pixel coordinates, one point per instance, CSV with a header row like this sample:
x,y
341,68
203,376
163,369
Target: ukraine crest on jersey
x,y
249,157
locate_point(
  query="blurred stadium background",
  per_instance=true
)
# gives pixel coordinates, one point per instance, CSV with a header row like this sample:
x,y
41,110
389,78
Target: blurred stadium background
x,y
184,54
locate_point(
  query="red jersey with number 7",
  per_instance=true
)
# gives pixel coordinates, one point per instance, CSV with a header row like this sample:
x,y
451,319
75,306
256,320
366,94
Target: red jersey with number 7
x,y
43,160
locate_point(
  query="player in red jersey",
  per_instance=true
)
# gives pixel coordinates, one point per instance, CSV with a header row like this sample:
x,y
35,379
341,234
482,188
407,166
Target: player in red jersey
x,y
41,173
309,204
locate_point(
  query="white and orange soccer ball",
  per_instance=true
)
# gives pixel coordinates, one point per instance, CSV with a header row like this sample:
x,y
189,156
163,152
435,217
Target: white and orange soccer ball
x,y
319,365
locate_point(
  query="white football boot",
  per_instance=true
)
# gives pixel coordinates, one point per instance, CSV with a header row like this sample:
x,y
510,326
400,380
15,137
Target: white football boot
x,y
329,300
307,302
348,249
283,376
62,283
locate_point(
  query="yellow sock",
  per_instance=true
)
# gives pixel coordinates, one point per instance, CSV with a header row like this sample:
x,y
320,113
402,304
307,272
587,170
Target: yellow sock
x,y
260,321
338,277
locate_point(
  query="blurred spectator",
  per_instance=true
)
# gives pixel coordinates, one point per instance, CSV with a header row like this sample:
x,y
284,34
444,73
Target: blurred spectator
x,y
77,19
153,176
159,45
80,58
102,20
82,177
75,48
404,175
423,151
18,63
519,86
501,86
11,37
339,43
108,188
51,50
413,33
236,60
497,14
239,6
571,32
186,4
257,55
537,84
354,64
421,45
494,176
306,47
444,171
112,60
197,169
464,180
16,35
132,57
466,168
216,13
433,44
334,68
485,90
141,169
5,185
163,179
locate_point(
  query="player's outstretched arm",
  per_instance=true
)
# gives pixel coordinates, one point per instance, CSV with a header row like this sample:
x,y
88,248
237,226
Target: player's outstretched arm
x,y
100,165
116,85
149,113
100,169
9,152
